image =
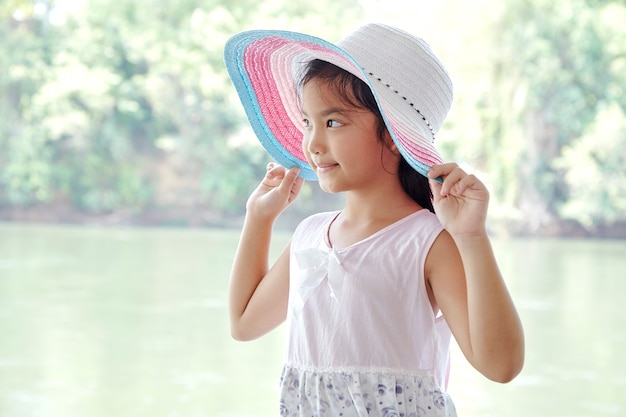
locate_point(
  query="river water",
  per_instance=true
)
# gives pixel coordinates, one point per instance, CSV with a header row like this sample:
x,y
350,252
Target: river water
x,y
98,322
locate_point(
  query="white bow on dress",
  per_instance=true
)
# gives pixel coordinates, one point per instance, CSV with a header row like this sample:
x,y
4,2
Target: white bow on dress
x,y
317,264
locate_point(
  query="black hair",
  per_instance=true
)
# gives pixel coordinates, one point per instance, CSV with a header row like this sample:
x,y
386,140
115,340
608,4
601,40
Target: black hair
x,y
357,93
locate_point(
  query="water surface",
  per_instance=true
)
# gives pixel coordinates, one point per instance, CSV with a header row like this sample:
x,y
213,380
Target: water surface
x,y
132,322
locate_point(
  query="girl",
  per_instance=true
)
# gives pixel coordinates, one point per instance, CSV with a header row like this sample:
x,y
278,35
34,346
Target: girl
x,y
370,293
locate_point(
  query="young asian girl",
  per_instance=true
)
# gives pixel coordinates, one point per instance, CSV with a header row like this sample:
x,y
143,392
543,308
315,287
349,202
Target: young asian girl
x,y
371,293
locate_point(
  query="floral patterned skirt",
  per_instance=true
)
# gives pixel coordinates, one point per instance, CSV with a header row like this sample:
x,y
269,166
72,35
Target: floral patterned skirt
x,y
314,393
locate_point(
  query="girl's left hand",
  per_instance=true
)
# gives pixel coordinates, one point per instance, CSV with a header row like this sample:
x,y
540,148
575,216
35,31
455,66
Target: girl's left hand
x,y
460,202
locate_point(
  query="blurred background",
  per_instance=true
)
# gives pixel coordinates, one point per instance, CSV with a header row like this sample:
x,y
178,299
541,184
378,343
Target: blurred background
x,y
126,161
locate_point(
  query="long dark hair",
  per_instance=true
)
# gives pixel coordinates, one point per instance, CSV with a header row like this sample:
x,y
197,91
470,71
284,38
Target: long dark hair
x,y
356,93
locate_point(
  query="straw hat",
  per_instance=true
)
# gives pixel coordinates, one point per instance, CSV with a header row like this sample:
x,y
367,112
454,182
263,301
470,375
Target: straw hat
x,y
411,86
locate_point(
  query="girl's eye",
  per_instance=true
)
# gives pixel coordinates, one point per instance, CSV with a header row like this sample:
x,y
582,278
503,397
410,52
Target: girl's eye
x,y
329,123
333,123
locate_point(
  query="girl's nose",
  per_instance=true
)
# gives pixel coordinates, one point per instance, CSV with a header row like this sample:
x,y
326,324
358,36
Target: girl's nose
x,y
314,141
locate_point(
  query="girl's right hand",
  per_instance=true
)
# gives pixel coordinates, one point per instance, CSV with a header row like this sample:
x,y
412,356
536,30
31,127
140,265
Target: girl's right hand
x,y
279,188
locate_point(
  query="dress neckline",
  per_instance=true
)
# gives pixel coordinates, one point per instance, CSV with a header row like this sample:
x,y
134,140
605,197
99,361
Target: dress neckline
x,y
328,241
329,244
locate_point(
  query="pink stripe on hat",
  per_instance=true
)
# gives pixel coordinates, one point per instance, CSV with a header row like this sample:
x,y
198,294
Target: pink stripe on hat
x,y
263,80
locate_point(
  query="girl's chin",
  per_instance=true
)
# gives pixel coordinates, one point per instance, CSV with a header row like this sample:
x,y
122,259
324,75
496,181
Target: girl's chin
x,y
329,187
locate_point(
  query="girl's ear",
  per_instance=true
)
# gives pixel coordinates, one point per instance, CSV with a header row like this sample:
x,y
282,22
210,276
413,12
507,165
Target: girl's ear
x,y
391,144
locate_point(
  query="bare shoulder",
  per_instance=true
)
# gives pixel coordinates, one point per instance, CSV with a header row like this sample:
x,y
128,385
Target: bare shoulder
x,y
445,276
443,254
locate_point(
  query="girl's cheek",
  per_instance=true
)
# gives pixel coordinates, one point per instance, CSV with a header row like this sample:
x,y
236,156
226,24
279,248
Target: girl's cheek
x,y
305,147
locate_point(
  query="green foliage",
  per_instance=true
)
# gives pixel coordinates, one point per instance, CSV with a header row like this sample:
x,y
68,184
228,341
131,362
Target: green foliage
x,y
94,106
27,172
129,108
558,65
594,171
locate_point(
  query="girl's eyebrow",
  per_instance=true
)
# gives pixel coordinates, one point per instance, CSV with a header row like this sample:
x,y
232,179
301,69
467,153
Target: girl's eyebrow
x,y
328,112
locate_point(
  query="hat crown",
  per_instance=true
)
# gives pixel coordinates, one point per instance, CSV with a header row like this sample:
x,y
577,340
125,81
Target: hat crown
x,y
405,64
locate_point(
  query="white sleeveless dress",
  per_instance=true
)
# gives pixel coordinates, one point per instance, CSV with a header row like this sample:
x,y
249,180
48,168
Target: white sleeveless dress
x,y
362,338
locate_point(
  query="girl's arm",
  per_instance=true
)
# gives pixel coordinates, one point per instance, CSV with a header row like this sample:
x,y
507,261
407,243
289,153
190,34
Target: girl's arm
x,y
465,279
257,294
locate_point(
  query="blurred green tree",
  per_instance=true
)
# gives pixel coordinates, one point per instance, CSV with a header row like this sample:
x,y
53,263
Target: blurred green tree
x,y
130,108
561,64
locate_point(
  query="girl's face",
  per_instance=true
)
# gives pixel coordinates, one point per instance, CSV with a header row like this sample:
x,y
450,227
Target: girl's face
x,y
341,144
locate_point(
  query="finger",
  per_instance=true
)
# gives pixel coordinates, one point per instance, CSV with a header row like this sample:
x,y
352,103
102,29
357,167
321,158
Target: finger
x,y
438,173
274,167
295,189
274,171
453,182
435,187
451,174
289,183
441,170
470,181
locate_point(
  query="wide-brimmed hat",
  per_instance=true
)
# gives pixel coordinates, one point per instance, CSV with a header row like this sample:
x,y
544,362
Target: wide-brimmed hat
x,y
410,84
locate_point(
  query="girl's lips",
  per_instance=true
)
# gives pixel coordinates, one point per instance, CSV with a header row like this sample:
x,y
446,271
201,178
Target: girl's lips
x,y
325,167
